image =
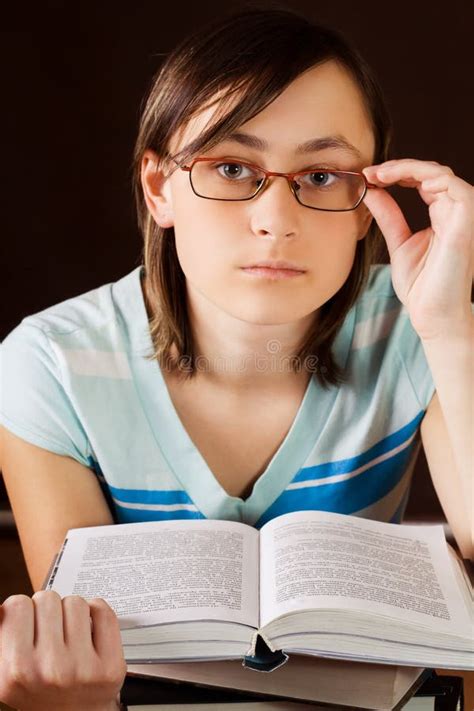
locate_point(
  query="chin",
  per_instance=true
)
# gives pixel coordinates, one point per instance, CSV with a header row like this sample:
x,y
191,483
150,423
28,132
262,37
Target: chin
x,y
269,314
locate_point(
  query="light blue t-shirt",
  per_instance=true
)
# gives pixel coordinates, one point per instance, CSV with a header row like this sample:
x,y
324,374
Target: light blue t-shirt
x,y
75,381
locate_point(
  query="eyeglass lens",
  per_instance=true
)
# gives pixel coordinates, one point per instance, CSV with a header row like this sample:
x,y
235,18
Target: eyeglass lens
x,y
234,181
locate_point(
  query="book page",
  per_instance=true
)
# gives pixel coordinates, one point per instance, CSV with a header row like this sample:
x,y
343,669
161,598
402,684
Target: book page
x,y
157,572
318,559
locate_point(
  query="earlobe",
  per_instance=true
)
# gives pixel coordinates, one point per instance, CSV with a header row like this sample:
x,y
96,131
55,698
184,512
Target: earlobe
x,y
156,190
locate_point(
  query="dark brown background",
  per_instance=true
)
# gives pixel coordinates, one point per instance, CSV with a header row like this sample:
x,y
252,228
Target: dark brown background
x,y
75,74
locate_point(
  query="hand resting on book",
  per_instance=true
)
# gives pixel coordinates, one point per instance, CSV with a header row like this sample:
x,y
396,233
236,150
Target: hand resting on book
x,y
58,654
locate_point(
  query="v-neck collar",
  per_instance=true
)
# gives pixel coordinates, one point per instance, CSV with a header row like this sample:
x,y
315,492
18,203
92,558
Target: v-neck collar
x,y
182,455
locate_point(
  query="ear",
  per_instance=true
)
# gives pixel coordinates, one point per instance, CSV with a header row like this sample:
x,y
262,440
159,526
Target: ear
x,y
156,189
365,221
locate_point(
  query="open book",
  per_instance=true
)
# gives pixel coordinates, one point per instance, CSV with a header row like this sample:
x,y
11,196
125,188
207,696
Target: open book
x,y
308,582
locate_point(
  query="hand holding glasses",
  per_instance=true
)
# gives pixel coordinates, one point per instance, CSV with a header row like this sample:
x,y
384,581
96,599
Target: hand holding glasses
x,y
318,188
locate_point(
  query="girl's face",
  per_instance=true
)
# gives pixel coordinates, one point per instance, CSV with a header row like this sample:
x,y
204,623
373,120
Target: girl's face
x,y
215,239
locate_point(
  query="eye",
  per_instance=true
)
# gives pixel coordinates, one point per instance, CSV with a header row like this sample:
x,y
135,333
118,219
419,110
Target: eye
x,y
320,179
233,170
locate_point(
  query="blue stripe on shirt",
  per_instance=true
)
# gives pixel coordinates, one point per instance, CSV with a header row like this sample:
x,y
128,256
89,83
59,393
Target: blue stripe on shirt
x,y
126,515
342,466
149,496
347,496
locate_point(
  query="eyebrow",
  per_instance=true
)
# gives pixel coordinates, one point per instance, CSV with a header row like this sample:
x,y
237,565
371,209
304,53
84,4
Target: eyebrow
x,y
314,144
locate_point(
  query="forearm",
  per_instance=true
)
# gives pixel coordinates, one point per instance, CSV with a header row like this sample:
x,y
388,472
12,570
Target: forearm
x,y
451,363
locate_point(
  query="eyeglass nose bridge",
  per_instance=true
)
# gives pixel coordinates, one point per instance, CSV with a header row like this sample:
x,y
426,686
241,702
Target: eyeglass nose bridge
x,y
268,174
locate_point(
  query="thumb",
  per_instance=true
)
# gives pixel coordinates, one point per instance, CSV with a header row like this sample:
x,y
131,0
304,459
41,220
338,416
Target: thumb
x,y
389,218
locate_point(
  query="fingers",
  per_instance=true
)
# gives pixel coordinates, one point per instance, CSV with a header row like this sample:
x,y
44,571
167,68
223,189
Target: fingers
x,y
48,619
46,622
16,627
455,187
107,640
408,168
55,650
77,623
105,629
409,172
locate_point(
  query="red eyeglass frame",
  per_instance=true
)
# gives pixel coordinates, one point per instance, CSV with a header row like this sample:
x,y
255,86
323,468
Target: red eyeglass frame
x,y
269,173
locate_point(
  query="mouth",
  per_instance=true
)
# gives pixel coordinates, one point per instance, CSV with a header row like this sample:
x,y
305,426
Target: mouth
x,y
275,264
272,273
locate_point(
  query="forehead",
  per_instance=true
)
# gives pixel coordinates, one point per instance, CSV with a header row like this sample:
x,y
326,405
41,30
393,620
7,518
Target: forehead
x,y
324,100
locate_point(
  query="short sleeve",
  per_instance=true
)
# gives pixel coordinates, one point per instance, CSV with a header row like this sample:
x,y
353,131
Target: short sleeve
x,y
413,356
412,353
33,401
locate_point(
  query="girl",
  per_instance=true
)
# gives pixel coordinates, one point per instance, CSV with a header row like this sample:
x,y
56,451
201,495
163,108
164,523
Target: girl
x,y
260,360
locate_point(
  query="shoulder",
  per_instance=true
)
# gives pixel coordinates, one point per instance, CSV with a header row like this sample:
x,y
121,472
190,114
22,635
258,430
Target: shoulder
x,y
91,309
84,320
379,282
378,289
47,359
385,345
378,309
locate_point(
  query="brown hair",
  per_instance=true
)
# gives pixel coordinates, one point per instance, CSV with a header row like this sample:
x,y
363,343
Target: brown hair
x,y
247,58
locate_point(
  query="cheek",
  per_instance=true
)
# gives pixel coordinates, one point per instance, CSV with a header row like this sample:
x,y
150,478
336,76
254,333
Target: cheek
x,y
209,238
334,244
330,256
205,255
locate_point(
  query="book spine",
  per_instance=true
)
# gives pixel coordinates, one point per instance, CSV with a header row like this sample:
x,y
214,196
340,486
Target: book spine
x,y
262,655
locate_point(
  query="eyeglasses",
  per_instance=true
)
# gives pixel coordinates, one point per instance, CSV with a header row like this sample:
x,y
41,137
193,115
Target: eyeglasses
x,y
318,188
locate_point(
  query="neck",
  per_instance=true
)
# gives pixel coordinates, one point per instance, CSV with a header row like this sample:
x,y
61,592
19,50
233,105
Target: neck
x,y
240,355
244,355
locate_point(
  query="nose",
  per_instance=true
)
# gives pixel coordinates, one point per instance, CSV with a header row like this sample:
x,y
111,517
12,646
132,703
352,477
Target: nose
x,y
275,209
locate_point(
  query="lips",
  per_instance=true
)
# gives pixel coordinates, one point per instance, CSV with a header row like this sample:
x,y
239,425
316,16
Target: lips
x,y
275,264
272,274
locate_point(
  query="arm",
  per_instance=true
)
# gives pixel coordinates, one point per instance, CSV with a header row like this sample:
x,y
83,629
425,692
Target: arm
x,y
447,430
432,272
49,494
